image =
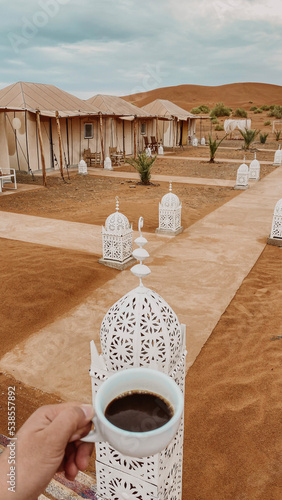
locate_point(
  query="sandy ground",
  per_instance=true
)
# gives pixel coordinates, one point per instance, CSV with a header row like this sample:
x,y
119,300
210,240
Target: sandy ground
x,y
232,404
90,200
232,398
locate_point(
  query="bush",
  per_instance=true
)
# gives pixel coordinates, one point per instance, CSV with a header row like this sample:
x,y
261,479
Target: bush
x,y
276,111
258,111
214,120
266,124
262,138
220,110
277,134
265,107
240,112
143,164
213,145
219,128
253,108
203,109
249,136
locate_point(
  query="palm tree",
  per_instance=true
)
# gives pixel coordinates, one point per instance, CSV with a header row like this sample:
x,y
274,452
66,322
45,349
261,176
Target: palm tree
x,y
249,136
143,164
213,145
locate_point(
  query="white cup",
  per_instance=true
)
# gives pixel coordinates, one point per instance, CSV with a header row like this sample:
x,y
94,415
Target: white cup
x,y
136,444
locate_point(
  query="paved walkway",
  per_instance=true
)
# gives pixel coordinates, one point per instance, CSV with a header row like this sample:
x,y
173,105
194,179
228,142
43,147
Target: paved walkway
x,y
198,273
99,172
205,158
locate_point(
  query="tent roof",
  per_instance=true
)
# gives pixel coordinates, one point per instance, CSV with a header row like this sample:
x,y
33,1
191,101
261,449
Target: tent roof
x,y
47,99
116,106
163,107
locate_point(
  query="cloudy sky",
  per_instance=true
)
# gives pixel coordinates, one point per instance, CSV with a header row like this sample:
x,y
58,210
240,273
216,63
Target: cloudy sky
x,y
126,46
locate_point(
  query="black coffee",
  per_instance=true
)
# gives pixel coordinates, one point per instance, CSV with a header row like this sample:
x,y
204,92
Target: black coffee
x,y
138,411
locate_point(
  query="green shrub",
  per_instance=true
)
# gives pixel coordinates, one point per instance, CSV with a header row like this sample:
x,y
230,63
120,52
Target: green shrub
x,y
219,128
240,112
249,136
266,124
203,109
213,145
214,120
276,111
195,111
265,107
277,134
220,110
143,164
258,111
262,138
272,106
253,108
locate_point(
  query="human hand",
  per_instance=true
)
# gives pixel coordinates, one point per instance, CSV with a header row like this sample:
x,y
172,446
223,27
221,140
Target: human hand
x,y
48,442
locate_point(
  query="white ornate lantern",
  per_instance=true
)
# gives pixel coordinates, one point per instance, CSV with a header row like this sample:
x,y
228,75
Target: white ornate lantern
x,y
108,164
82,167
254,170
140,329
242,176
117,241
276,229
278,157
170,214
203,141
148,152
160,150
195,142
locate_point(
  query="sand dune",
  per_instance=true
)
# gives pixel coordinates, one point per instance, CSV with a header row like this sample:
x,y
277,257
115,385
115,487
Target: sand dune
x,y
234,95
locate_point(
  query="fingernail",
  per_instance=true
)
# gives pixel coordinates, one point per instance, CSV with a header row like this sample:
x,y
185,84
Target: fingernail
x,y
88,411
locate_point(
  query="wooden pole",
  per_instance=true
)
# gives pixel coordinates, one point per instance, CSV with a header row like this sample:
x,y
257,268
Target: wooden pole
x,y
157,131
60,144
41,148
102,139
135,136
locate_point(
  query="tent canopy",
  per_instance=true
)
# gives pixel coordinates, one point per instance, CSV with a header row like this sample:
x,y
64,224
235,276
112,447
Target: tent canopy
x,y
163,107
47,99
113,105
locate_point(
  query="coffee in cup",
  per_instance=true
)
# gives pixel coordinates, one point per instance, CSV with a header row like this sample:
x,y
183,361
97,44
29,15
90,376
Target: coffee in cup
x,y
137,411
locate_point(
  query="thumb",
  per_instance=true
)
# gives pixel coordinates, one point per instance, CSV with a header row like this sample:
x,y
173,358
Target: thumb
x,y
68,422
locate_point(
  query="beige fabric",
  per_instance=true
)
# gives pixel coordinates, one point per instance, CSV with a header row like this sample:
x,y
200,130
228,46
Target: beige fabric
x,y
114,105
48,99
162,107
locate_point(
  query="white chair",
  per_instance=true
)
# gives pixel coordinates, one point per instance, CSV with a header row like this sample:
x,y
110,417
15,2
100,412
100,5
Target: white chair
x,y
7,176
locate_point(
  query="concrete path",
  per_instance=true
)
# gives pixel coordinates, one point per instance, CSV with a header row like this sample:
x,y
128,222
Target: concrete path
x,y
205,158
99,172
21,188
197,273
56,233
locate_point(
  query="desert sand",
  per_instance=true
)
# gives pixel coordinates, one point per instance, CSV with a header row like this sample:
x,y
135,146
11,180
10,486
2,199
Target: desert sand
x,y
232,399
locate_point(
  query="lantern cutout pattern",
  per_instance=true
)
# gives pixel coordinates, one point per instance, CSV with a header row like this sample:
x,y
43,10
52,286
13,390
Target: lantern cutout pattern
x,y
242,176
117,236
278,157
140,330
82,167
170,214
254,170
276,229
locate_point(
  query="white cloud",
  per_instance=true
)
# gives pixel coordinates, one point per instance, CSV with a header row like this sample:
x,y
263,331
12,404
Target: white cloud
x,y
218,12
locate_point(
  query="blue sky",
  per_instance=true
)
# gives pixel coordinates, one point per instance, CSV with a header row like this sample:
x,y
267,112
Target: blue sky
x,y
125,46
